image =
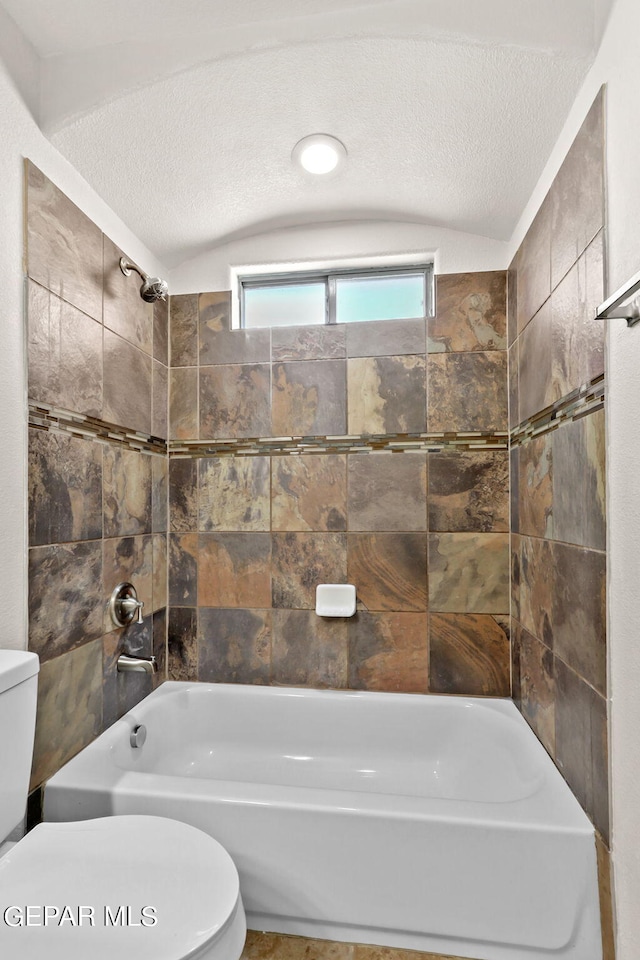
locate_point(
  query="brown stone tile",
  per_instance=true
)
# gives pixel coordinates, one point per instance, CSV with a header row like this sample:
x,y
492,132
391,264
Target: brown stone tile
x,y
126,492
69,708
537,688
234,646
578,615
535,479
160,646
65,597
182,644
309,398
469,491
467,391
308,343
275,946
534,266
234,401
386,338
234,493
386,394
65,488
234,570
309,492
161,331
391,953
388,651
219,343
516,576
577,194
389,570
183,330
64,247
579,510
159,400
127,384
183,495
514,487
128,559
159,571
65,354
183,403
183,569
468,654
515,633
387,491
514,392
159,493
512,300
469,572
607,915
537,588
300,561
471,313
535,386
124,310
308,650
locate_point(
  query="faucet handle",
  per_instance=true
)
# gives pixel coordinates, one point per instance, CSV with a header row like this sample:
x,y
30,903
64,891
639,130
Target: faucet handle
x,y
124,606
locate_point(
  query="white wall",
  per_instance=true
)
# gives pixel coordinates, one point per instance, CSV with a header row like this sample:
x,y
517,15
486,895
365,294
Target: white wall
x,y
20,137
618,66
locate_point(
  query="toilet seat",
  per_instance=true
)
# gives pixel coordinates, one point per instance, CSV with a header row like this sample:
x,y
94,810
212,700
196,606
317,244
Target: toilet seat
x,y
184,875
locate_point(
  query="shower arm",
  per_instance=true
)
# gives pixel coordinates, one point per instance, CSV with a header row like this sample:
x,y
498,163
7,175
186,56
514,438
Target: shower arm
x,y
126,266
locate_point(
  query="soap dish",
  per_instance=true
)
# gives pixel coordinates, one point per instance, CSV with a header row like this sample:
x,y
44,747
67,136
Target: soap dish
x,y
335,600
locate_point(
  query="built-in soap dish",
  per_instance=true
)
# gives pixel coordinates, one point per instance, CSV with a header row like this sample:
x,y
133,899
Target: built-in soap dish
x,y
335,599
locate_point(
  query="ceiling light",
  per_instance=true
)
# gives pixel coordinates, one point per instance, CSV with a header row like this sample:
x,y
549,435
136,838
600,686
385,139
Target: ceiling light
x,y
319,154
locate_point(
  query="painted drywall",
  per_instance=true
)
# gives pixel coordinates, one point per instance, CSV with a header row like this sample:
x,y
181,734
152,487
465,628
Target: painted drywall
x,y
617,65
19,137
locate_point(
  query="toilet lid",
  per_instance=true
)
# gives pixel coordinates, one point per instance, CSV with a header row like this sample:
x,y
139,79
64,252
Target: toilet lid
x,y
126,872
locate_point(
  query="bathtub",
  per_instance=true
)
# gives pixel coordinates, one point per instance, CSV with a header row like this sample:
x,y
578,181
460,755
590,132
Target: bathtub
x,y
421,822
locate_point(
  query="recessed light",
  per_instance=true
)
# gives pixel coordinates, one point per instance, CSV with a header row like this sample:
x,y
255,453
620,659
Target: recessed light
x,y
319,154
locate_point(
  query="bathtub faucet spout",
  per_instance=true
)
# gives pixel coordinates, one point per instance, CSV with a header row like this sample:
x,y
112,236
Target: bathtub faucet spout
x,y
127,664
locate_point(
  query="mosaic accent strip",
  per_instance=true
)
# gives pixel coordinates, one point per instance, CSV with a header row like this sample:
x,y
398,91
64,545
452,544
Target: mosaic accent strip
x,y
45,417
579,403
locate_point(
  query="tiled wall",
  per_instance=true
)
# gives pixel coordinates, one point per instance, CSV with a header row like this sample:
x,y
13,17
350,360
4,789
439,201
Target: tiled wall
x,y
558,473
373,494
97,360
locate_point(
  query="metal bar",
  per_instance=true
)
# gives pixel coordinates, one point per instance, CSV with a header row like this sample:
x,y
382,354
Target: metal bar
x,y
618,307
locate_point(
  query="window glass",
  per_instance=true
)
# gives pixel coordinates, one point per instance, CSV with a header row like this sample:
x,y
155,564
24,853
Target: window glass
x,y
380,298
286,305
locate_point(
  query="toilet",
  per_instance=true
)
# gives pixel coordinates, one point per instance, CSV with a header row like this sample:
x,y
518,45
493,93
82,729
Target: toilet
x,y
131,887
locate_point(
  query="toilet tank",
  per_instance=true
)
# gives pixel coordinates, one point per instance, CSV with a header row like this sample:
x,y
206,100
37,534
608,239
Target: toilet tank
x,y
18,698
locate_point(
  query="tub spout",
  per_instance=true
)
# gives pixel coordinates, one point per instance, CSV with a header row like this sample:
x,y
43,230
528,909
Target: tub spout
x,y
127,664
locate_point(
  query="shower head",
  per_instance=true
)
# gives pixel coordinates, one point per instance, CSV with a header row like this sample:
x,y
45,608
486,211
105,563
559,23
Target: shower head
x,y
152,289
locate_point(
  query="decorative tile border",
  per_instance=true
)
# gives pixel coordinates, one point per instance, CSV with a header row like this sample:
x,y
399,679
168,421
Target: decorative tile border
x,y
44,417
579,403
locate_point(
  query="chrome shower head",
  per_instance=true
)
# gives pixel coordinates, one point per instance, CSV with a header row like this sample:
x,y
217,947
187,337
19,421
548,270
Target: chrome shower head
x,y
152,289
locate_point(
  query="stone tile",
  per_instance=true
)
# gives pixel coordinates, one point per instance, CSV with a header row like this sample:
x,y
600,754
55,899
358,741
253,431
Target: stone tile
x,y
307,650
112,681
183,495
275,946
161,331
514,491
386,338
391,953
159,571
514,391
516,577
579,507
183,569
309,398
64,247
309,492
388,652
159,494
537,688
578,615
234,570
65,354
468,491
234,401
536,579
577,194
389,570
159,400
309,343
468,654
126,492
69,708
65,597
535,386
387,491
515,633
234,493
535,479
124,310
160,651
183,330
127,384
65,488
581,744
512,300
300,561
471,313
234,646
606,899
469,572
182,644
386,394
219,343
467,391
128,559
183,403
534,266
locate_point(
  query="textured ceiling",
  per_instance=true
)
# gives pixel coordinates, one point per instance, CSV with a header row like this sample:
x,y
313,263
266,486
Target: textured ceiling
x,y
183,117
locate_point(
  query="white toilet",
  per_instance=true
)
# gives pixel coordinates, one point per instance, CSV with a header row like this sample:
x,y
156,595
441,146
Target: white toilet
x,y
130,887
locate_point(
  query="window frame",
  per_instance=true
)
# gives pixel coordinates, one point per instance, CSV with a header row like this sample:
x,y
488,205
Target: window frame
x,y
329,278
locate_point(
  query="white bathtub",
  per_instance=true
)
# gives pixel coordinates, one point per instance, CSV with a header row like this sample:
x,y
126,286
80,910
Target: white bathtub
x,y
430,823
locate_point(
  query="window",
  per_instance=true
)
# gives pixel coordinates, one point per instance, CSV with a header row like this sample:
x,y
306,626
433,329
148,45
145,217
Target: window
x,y
278,300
